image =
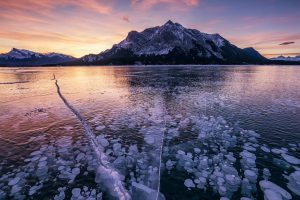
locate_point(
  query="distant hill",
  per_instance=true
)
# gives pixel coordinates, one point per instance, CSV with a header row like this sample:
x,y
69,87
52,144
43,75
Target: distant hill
x,y
283,58
22,57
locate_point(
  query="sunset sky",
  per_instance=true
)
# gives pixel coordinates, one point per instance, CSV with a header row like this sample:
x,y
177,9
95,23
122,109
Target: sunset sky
x,y
80,27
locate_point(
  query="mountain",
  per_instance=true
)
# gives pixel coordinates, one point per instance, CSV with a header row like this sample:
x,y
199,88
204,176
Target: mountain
x,y
172,43
288,58
22,57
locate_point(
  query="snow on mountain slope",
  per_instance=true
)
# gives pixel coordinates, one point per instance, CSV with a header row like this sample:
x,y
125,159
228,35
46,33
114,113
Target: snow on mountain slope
x,y
161,40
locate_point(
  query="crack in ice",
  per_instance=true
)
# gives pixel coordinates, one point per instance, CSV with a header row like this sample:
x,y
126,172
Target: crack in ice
x,y
114,183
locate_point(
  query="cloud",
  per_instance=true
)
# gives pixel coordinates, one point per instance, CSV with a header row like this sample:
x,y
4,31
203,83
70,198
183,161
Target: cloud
x,y
286,43
125,18
48,7
171,4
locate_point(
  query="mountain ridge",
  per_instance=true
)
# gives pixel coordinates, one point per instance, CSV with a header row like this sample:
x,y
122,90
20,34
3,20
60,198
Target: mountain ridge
x,y
23,57
168,44
159,45
286,58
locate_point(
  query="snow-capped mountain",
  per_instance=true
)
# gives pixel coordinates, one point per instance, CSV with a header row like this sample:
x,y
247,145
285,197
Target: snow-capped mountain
x,y
22,57
288,58
172,43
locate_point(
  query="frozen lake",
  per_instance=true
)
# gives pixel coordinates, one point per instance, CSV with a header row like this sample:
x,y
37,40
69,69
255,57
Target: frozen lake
x,y
189,132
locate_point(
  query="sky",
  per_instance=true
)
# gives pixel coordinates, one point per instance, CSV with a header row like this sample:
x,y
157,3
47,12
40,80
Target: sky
x,y
80,27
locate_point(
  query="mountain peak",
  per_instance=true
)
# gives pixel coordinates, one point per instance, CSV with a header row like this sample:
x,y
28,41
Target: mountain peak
x,y
169,22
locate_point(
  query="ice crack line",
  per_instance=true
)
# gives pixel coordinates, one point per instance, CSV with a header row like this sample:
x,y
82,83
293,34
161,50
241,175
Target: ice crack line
x,y
160,154
113,178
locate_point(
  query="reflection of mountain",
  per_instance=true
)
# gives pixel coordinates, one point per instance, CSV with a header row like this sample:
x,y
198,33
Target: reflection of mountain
x,y
171,43
22,57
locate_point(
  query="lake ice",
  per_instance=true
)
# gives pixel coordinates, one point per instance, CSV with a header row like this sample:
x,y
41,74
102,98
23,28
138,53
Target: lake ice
x,y
184,132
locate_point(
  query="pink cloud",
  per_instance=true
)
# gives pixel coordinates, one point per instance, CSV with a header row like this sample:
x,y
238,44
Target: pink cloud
x,y
171,4
125,18
36,6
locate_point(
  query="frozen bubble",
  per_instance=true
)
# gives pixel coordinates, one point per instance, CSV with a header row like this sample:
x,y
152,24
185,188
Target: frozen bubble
x,y
197,150
76,192
100,128
14,181
80,156
35,153
266,173
189,183
249,148
43,158
250,175
149,139
15,189
232,179
272,195
230,158
119,162
291,159
169,165
117,147
229,170
102,141
278,151
222,191
35,158
33,189
294,182
264,185
224,198
42,164
60,196
180,152
265,149
75,171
